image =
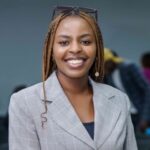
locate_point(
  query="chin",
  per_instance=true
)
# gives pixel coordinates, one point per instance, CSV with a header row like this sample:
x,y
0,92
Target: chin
x,y
74,74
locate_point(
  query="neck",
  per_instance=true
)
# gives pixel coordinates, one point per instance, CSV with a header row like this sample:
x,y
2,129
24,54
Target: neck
x,y
73,85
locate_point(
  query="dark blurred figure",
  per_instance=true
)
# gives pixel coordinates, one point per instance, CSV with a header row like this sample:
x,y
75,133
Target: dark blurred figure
x,y
145,62
127,77
16,89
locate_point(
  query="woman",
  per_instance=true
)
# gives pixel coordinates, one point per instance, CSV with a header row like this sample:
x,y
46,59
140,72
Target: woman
x,y
75,109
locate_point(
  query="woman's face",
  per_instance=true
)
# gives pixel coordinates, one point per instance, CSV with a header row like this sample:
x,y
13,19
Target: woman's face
x,y
74,47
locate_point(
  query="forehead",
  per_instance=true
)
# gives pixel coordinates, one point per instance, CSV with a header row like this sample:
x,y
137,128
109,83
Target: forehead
x,y
74,25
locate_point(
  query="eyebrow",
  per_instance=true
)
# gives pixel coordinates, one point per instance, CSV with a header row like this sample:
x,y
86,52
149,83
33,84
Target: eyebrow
x,y
85,35
67,36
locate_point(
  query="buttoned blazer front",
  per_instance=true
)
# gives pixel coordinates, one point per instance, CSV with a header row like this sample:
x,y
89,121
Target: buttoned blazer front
x,y
63,129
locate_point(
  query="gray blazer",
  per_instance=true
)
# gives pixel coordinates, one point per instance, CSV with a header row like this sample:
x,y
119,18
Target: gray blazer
x,y
63,130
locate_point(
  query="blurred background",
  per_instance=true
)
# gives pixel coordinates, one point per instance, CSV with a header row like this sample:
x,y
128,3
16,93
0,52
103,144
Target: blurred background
x,y
24,24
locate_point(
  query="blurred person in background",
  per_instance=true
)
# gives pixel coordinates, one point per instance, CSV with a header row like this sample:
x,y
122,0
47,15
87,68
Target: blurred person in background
x,y
145,62
127,77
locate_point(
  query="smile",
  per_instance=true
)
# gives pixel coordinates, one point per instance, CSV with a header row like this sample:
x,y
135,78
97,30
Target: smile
x,y
75,63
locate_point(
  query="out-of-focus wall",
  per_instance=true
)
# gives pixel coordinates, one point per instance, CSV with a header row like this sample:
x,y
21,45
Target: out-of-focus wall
x,y
23,25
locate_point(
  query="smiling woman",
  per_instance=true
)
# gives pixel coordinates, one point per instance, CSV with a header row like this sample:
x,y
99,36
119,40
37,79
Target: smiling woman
x,y
74,50
71,108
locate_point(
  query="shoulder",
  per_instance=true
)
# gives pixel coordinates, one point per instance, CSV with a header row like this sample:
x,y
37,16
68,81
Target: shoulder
x,y
29,91
107,90
112,95
130,65
26,97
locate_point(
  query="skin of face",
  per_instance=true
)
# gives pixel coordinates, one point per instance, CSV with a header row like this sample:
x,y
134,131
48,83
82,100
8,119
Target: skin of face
x,y
74,47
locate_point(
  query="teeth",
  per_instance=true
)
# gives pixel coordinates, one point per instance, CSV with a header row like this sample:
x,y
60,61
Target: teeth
x,y
75,61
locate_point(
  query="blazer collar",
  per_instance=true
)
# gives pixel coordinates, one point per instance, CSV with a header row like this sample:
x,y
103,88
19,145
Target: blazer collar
x,y
106,112
62,112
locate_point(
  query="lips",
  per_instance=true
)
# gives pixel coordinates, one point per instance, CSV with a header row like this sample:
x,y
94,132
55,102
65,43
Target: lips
x,y
75,62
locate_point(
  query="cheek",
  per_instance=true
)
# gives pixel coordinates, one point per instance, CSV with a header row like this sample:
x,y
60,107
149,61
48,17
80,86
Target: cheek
x,y
92,52
57,53
93,55
58,56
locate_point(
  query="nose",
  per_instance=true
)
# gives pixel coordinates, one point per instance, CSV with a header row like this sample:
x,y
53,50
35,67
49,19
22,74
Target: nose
x,y
75,47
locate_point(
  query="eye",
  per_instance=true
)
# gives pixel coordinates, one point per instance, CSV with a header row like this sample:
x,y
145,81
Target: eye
x,y
86,42
64,43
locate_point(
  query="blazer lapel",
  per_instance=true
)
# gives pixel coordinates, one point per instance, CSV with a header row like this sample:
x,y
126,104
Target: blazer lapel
x,y
106,113
62,112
